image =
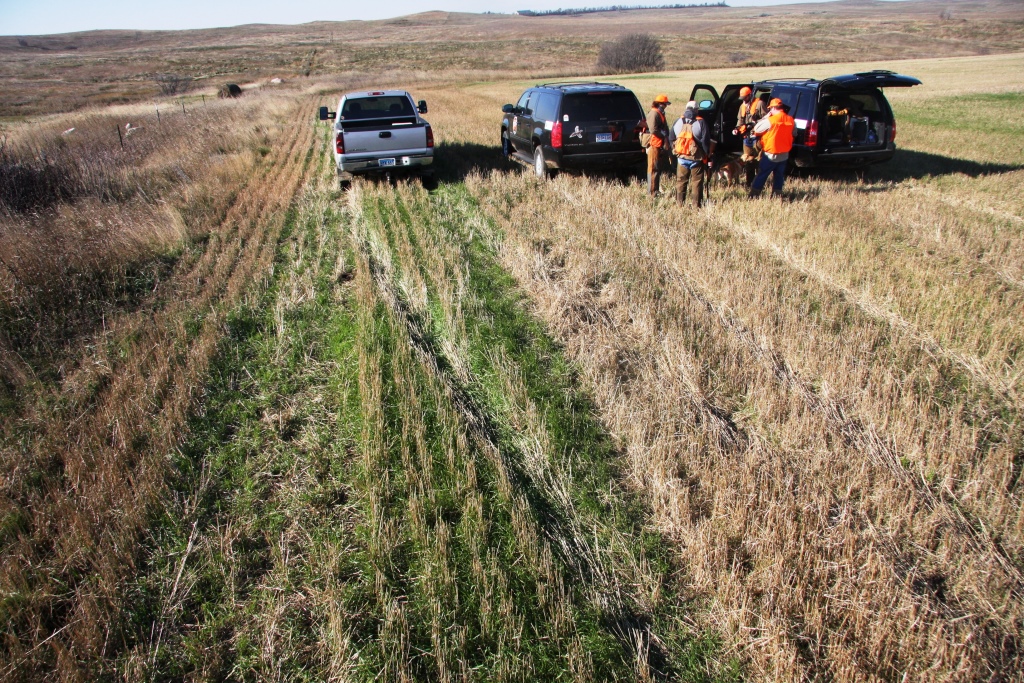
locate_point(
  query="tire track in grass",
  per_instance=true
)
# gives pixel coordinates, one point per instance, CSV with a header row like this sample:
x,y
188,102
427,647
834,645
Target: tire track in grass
x,y
468,331
258,562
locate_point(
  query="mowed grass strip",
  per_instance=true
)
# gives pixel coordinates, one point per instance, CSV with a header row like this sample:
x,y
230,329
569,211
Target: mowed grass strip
x,y
346,508
549,526
255,567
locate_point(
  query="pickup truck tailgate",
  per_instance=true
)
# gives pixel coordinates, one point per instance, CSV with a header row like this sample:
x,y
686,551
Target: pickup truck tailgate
x,y
385,135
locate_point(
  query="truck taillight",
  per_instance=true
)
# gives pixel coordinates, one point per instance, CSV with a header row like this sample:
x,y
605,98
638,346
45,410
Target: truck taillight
x,y
556,135
812,134
339,143
892,131
430,136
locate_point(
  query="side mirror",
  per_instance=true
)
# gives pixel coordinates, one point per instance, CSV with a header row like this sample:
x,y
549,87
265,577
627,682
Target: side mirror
x,y
705,104
508,108
421,106
325,114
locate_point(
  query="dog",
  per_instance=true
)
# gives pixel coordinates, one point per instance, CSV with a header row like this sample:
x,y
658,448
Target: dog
x,y
727,172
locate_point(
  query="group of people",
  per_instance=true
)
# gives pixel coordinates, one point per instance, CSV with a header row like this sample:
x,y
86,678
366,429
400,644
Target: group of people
x,y
767,141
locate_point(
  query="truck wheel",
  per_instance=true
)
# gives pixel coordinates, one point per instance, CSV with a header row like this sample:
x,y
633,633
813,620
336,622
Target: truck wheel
x,y
506,145
429,181
344,185
539,167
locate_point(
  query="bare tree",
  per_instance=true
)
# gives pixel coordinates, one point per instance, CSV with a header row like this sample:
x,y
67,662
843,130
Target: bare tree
x,y
631,53
173,84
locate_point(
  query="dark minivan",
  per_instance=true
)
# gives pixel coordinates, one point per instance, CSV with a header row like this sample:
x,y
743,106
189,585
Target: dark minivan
x,y
588,126
842,121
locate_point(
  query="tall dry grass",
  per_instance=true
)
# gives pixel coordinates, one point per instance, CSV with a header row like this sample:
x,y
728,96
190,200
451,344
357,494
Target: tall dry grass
x,y
84,452
819,398
87,225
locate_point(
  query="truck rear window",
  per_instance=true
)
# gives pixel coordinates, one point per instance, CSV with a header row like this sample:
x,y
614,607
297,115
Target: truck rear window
x,y
612,106
390,106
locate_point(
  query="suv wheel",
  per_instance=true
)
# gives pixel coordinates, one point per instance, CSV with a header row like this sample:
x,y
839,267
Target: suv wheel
x,y
506,145
539,167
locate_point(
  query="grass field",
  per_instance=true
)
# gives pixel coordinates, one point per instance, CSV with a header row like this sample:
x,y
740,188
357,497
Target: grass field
x,y
512,430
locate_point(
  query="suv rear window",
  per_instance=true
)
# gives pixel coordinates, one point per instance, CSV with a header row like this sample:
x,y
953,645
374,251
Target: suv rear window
x,y
377,107
601,106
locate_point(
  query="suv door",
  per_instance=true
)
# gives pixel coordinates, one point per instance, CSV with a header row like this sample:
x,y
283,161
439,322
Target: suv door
x,y
720,112
519,132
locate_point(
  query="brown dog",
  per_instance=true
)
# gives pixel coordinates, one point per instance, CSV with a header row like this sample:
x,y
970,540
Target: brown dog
x,y
728,172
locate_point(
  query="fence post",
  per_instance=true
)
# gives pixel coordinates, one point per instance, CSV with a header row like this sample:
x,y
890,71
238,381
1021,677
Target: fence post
x,y
183,106
158,114
119,136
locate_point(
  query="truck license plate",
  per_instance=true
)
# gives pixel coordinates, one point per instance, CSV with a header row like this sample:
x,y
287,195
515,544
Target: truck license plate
x,y
604,137
386,162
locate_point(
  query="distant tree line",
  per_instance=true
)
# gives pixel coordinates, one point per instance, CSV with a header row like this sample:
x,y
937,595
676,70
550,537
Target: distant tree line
x,y
612,8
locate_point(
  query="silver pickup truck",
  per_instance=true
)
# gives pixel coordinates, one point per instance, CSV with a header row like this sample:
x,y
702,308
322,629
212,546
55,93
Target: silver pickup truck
x,y
381,132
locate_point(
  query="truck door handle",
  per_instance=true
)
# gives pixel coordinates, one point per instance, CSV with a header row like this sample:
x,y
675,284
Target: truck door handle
x,y
385,133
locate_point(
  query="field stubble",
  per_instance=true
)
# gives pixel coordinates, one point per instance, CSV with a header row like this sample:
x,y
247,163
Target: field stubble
x,y
820,398
85,444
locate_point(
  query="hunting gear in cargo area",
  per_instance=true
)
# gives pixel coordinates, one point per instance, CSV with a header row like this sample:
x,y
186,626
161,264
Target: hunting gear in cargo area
x,y
751,111
692,145
656,142
776,133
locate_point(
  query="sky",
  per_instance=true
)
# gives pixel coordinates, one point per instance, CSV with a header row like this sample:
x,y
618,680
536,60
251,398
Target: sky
x,y
36,17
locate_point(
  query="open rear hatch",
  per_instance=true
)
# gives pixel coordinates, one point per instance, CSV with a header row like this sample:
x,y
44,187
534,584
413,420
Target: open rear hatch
x,y
870,79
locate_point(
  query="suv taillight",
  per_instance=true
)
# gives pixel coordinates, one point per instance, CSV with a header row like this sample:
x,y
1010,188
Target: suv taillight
x,y
556,135
892,131
339,143
430,136
812,134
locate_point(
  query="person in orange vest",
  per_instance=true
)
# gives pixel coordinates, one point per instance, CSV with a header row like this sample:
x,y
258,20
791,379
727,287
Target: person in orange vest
x,y
657,150
692,145
751,111
776,134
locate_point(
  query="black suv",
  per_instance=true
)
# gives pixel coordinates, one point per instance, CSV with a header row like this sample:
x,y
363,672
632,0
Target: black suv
x,y
593,126
840,121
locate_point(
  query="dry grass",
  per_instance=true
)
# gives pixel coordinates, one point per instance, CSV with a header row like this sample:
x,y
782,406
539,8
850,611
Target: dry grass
x,y
818,402
85,452
821,398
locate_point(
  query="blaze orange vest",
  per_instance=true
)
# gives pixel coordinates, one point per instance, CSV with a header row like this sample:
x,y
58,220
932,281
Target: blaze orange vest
x,y
656,140
779,138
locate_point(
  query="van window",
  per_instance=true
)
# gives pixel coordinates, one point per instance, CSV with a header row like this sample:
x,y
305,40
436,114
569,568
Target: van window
x,y
602,106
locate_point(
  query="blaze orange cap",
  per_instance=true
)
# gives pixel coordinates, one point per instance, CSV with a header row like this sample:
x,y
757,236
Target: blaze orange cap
x,y
776,102
744,91
661,99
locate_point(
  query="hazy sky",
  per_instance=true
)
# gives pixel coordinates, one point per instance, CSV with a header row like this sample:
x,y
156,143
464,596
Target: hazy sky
x,y
33,17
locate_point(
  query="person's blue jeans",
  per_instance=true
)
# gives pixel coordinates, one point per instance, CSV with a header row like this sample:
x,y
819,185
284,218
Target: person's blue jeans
x,y
776,169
